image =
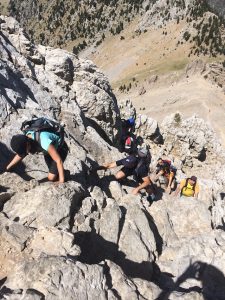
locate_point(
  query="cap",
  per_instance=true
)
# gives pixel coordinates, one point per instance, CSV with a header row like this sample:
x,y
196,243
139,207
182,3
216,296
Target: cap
x,y
19,144
193,178
142,152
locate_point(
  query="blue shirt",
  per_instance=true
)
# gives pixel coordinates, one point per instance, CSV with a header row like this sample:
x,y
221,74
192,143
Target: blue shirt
x,y
46,139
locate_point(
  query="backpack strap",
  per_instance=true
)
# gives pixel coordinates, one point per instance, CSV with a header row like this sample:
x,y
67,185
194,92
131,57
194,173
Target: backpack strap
x,y
140,163
194,185
186,183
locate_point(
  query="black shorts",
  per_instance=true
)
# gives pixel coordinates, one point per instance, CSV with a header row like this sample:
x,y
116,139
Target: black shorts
x,y
138,179
52,166
128,171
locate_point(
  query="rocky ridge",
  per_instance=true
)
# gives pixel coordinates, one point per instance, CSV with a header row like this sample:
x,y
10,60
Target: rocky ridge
x,y
85,23
203,27
82,22
90,238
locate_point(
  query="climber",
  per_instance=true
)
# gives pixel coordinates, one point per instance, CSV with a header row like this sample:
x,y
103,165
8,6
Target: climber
x,y
136,165
188,187
41,138
127,143
165,173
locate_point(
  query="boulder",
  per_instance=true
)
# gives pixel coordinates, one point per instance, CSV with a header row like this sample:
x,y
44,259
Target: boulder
x,y
57,278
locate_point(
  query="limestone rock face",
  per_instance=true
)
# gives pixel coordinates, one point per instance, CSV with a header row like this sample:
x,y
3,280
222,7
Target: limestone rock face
x,y
127,109
190,139
90,238
61,201
197,66
57,278
146,127
62,229
58,76
218,207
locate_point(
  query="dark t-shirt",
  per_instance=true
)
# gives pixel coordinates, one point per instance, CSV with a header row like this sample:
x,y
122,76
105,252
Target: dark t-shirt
x,y
135,165
129,162
167,168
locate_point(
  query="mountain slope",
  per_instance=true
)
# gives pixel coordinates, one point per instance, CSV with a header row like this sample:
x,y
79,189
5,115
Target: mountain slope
x,y
76,24
90,237
61,22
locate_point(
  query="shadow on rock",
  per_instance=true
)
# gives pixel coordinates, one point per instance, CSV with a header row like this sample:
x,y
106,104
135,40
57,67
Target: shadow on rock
x,y
155,231
6,156
158,193
222,195
99,130
16,83
212,282
94,249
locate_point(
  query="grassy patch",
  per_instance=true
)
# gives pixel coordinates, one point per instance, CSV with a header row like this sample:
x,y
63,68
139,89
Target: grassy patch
x,y
169,65
164,67
4,7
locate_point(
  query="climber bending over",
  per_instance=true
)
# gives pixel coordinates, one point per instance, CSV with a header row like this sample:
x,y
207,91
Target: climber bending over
x,y
167,172
136,165
35,140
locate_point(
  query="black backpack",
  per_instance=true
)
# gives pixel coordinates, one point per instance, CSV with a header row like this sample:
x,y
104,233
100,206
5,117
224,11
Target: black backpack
x,y
42,124
142,161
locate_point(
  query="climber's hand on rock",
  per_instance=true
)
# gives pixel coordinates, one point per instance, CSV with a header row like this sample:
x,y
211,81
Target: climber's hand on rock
x,y
58,182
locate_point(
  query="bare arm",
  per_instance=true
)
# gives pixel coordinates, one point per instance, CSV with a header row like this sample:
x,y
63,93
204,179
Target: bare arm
x,y
196,191
110,165
179,189
56,157
170,179
146,182
14,162
196,195
160,173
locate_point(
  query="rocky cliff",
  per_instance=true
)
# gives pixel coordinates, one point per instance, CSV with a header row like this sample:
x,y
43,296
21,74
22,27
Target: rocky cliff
x,y
90,238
